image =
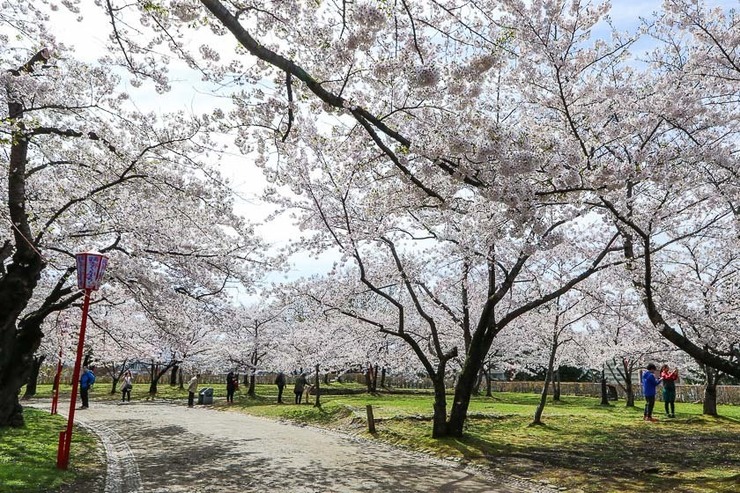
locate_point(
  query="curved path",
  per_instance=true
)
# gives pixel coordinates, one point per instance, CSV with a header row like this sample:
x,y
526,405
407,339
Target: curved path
x,y
163,447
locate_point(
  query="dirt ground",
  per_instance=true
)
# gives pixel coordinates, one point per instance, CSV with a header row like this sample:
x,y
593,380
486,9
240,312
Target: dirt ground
x,y
163,447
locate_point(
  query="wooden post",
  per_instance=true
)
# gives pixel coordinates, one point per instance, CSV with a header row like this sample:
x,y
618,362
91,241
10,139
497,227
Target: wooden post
x,y
370,419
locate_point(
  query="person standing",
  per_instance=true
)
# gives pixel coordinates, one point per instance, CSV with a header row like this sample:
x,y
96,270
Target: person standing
x,y
300,384
231,384
669,389
128,384
192,389
86,381
649,386
280,382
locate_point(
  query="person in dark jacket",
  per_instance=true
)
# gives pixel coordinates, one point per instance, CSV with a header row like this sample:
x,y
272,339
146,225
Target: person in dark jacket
x,y
231,384
669,389
86,380
280,382
128,384
649,386
300,384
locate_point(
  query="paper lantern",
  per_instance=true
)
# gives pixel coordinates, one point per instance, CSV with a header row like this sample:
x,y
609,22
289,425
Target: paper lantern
x,y
90,269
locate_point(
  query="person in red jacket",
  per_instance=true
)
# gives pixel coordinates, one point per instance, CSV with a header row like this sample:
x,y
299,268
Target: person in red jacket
x,y
669,389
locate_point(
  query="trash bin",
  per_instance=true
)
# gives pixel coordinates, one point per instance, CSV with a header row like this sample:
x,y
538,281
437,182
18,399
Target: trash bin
x,y
205,396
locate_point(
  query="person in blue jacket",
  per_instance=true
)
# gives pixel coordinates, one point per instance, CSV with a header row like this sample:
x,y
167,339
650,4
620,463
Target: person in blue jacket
x,y
649,386
86,381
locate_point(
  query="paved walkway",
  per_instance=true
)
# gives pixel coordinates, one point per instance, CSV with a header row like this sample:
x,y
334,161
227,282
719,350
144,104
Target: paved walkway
x,y
163,447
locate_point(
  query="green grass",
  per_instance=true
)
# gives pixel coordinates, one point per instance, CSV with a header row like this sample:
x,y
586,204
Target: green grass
x,y
28,455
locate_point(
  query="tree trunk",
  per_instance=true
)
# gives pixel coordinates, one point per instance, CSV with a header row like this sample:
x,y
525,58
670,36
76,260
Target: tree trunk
x,y
173,375
629,389
478,381
474,360
382,378
181,379
156,372
33,377
440,427
369,379
18,342
548,376
489,381
317,388
709,404
556,385
251,392
604,391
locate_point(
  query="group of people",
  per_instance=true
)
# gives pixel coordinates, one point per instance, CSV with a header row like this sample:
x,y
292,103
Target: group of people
x,y
232,385
650,382
87,379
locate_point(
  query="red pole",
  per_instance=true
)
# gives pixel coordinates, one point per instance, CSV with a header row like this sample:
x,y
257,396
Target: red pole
x,y
57,378
65,438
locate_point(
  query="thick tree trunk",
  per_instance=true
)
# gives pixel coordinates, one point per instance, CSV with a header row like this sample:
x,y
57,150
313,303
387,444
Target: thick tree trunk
x,y
173,375
464,386
369,379
18,342
181,379
382,378
375,379
252,381
489,381
474,359
114,385
556,385
709,404
440,427
154,379
33,377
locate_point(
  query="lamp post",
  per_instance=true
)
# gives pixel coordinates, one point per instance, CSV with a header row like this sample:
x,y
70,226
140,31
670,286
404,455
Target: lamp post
x,y
90,269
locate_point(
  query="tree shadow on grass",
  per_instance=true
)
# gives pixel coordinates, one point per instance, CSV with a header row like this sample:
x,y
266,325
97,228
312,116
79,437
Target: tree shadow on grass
x,y
611,457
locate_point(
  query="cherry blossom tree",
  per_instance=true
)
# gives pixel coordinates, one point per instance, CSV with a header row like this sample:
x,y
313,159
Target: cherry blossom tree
x,y
502,134
84,171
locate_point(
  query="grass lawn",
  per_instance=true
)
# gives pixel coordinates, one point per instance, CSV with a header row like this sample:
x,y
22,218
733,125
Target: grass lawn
x,y
582,447
28,456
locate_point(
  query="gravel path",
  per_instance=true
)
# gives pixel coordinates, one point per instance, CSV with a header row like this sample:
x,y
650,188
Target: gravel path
x,y
163,447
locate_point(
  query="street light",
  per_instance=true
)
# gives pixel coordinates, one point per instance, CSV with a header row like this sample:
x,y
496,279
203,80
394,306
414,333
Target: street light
x,y
90,269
